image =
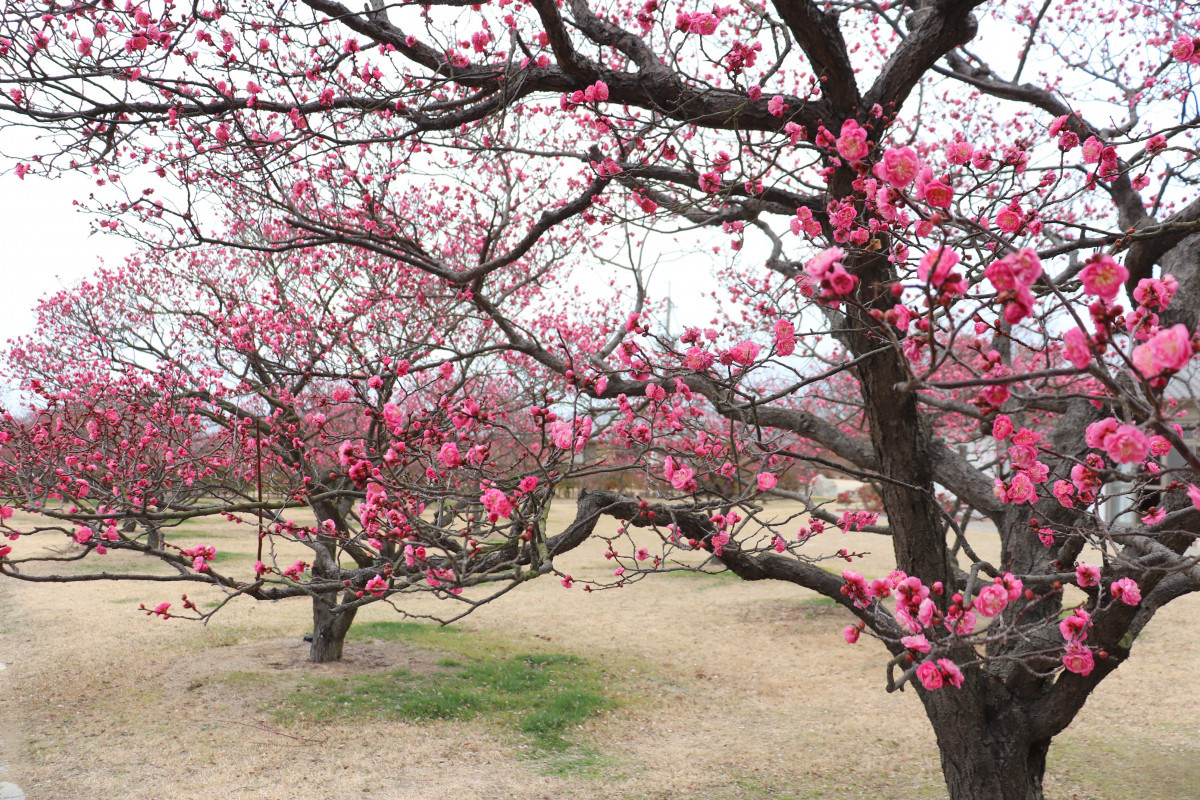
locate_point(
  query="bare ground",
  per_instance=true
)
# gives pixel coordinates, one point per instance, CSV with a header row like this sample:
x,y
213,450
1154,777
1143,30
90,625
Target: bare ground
x,y
727,689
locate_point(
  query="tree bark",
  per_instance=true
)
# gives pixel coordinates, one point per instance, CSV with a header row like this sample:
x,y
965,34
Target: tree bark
x,y
986,755
329,630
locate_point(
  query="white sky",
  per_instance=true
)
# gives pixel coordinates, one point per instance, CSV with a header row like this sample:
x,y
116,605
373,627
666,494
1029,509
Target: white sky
x,y
44,245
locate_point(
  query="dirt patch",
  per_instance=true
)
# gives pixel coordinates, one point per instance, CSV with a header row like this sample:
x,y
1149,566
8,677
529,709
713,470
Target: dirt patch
x,y
290,655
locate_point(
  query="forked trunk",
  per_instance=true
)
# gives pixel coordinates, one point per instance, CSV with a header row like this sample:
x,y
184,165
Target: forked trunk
x,y
329,630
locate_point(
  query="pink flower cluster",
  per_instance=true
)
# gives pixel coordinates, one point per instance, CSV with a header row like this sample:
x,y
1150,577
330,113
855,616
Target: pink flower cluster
x,y
1123,443
852,144
573,434
993,599
1012,276
681,477
857,520
1186,49
496,503
376,586
1166,352
936,674
1023,455
1126,590
700,22
1078,657
201,554
937,269
785,337
827,270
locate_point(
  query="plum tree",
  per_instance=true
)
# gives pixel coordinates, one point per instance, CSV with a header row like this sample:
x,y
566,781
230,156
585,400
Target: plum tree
x,y
951,251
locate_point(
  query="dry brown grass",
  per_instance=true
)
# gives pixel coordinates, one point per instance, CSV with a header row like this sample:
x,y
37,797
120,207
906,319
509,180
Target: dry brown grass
x,y
728,690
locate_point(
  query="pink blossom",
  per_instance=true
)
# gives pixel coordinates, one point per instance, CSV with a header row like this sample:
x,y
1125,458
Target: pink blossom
x,y
1086,576
744,352
936,266
528,484
850,632
1009,219
6,512
855,588
1015,271
701,23
852,143
930,675
1126,590
1097,432
1021,489
925,612
1103,277
785,337
963,623
683,479
880,587
898,167
820,264
1078,659
497,504
916,642
1156,292
1167,351
1155,515
991,600
567,580
449,456
1063,492
1193,493
1074,627
1127,445
950,672
161,609
1012,585
698,359
1183,49
376,586
766,481
776,106
826,268
1002,428
938,194
1075,348
959,152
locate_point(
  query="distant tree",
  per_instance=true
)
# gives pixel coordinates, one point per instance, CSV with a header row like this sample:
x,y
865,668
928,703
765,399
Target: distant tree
x,y
965,280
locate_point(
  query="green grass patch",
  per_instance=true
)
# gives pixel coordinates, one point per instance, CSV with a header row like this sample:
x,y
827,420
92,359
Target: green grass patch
x,y
395,630
714,578
541,696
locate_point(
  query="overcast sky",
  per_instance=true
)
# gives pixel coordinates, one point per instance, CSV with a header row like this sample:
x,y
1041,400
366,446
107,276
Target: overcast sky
x,y
44,245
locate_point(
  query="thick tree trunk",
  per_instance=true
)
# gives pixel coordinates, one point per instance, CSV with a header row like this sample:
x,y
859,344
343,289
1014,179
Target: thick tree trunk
x,y
329,630
986,756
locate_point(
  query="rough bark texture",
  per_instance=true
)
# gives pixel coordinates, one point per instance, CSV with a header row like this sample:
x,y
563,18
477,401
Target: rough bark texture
x,y
985,756
329,629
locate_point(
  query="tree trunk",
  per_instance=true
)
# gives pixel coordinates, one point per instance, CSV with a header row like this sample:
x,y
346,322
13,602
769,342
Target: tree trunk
x,y
329,630
986,756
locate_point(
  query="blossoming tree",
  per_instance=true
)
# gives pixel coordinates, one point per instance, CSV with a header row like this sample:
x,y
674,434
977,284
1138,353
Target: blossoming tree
x,y
972,282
